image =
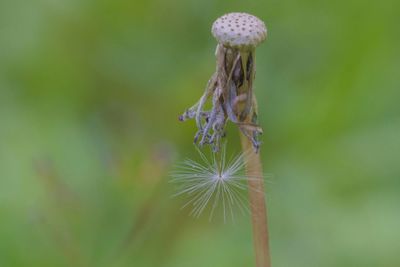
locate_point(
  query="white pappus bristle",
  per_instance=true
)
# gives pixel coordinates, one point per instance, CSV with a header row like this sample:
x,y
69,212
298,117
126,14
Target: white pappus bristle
x,y
212,183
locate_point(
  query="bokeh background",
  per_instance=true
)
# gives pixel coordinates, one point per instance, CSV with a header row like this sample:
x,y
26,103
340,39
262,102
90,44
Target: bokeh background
x,y
90,92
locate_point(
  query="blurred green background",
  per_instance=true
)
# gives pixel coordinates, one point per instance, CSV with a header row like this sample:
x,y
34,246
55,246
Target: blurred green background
x,y
90,92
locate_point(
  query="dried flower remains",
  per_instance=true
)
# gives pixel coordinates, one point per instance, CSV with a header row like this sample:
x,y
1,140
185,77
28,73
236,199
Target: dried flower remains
x,y
231,86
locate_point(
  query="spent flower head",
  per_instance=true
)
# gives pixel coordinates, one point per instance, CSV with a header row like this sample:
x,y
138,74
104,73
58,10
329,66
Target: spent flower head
x,y
230,88
239,30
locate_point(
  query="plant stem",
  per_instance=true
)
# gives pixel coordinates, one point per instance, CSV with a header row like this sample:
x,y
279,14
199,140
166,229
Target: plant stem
x,y
257,203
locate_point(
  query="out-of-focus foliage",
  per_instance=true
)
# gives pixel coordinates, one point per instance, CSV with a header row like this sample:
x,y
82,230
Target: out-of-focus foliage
x,y
90,92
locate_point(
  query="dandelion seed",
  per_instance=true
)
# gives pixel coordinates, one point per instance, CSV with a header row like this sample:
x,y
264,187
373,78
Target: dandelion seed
x,y
213,183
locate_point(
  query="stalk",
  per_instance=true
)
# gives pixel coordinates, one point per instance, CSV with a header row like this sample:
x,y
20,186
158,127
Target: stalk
x,y
253,164
257,203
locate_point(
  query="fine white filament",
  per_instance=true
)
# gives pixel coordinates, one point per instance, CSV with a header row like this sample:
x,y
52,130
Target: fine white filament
x,y
214,182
